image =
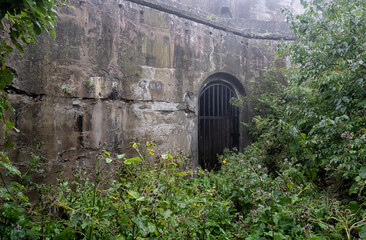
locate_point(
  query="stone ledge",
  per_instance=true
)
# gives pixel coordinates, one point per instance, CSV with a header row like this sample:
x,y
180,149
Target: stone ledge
x,y
200,17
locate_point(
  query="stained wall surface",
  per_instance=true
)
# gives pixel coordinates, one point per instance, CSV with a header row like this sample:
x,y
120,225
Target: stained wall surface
x,y
125,69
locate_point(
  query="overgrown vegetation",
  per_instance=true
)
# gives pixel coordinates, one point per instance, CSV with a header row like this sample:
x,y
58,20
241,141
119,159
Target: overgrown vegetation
x,y
304,176
20,22
316,124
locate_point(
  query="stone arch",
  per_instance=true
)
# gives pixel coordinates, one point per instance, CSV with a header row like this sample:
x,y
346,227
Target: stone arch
x,y
218,120
226,77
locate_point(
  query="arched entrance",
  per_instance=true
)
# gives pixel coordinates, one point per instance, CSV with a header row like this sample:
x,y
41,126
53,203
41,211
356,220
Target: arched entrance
x,y
218,122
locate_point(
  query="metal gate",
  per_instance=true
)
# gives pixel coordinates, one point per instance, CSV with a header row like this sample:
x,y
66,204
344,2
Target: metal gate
x,y
218,123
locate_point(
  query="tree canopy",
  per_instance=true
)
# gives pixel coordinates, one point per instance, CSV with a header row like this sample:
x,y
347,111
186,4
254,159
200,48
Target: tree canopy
x,y
327,93
28,18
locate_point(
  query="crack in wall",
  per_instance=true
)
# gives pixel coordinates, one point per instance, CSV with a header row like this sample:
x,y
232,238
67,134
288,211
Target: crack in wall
x,y
36,96
200,19
40,97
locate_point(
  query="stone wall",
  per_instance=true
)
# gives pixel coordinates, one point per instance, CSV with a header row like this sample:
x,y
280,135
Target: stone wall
x,y
121,69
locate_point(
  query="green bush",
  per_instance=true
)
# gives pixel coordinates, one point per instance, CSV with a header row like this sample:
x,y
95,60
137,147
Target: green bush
x,y
154,196
140,199
313,131
285,206
327,91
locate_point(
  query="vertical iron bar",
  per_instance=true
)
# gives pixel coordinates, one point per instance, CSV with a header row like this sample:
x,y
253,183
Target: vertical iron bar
x,y
210,128
214,99
211,123
220,113
227,136
217,100
221,100
208,125
231,121
208,101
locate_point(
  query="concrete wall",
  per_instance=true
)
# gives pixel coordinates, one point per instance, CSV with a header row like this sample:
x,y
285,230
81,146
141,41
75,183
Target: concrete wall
x,y
121,69
261,10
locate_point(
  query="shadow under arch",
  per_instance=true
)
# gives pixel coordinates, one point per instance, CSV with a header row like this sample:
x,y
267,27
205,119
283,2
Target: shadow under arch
x,y
218,120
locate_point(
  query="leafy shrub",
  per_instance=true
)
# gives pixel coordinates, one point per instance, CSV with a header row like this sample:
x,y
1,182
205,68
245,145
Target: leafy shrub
x,y
327,88
138,200
285,206
313,131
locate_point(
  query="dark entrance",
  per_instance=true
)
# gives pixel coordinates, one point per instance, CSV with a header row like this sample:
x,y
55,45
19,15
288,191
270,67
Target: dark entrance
x,y
218,123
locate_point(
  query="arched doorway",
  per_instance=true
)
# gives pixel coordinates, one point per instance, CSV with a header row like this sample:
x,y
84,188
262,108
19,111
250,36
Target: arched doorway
x,y
218,122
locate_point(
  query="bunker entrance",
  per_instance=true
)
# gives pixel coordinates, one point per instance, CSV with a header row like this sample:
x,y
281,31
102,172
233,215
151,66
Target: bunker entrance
x,y
218,123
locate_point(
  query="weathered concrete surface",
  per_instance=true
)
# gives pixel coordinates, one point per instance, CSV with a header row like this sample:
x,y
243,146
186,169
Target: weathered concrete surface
x,y
257,19
262,10
120,70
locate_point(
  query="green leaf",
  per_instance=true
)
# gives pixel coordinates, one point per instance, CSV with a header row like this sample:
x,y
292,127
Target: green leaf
x,y
324,226
85,223
6,78
108,160
75,218
345,99
141,199
10,124
167,214
293,131
10,168
121,156
124,219
320,213
363,171
133,194
340,227
5,132
151,227
17,185
131,160
285,200
352,189
109,213
67,234
141,224
37,27
285,222
52,32
5,157
9,144
354,206
17,45
362,232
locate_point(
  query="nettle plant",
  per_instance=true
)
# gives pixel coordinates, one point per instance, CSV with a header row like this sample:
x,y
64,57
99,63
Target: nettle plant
x,y
327,90
285,205
146,197
318,124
